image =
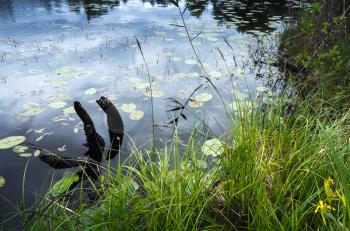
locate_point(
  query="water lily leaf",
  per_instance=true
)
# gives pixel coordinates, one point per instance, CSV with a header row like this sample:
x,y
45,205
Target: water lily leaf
x,y
195,103
34,71
261,89
55,97
68,110
32,111
215,74
11,141
90,91
154,93
241,105
59,83
191,62
25,154
20,149
203,97
212,39
107,78
2,181
141,85
193,74
212,147
63,185
136,115
66,72
128,107
58,104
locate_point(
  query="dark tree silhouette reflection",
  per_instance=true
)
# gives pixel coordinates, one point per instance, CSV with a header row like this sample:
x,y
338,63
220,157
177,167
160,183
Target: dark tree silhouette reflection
x,y
245,14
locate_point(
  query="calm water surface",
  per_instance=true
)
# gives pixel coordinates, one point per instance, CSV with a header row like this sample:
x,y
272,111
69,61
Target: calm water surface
x,y
55,52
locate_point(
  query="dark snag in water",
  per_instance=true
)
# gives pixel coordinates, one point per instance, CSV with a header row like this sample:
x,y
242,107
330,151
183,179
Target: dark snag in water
x,y
94,141
115,126
95,144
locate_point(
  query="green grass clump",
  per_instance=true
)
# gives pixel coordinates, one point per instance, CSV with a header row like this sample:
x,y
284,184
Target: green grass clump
x,y
273,173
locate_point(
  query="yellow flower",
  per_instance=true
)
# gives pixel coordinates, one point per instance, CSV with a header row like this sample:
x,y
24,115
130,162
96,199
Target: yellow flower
x,y
329,192
330,181
323,207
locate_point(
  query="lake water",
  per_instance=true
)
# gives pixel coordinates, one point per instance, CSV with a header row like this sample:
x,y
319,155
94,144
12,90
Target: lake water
x,y
53,53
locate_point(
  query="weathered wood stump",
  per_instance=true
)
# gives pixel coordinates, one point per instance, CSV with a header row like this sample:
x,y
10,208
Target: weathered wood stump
x,y
94,142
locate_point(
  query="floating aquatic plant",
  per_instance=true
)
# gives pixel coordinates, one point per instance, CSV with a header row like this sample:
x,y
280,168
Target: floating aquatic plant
x,y
128,107
11,141
136,115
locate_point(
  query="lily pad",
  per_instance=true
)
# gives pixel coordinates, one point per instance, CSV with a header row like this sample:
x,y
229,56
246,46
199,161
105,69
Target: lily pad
x,y
66,72
107,78
141,85
203,97
136,115
25,154
90,91
20,149
32,111
215,74
34,71
11,141
212,147
241,105
191,62
128,107
55,97
58,104
195,103
261,89
2,181
154,93
59,83
68,110
63,185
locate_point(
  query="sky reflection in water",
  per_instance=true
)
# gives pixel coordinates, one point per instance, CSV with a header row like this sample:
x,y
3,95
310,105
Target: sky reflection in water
x,y
55,52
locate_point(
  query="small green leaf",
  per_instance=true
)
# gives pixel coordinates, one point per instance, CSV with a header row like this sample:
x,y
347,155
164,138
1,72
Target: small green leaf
x,y
136,115
11,141
68,110
27,154
191,62
128,107
63,185
90,91
203,97
2,181
20,149
212,147
154,93
58,104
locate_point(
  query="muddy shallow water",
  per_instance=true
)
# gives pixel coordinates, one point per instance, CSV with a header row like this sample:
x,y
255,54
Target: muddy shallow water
x,y
53,53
